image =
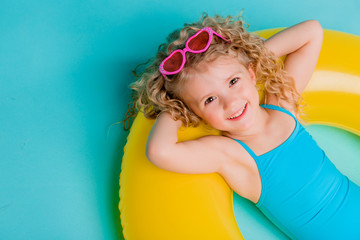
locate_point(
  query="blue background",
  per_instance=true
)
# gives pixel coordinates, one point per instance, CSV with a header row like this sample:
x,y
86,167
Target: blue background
x,y
64,71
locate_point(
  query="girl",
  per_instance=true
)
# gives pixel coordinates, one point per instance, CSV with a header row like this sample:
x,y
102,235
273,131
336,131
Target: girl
x,y
212,71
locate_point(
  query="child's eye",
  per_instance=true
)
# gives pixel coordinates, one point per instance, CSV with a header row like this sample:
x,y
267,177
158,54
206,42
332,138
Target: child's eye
x,y
233,81
209,100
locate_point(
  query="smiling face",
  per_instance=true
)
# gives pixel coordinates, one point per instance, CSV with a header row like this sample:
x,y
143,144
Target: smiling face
x,y
223,93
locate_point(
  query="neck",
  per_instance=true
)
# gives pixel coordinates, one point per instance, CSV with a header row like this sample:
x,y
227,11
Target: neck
x,y
257,128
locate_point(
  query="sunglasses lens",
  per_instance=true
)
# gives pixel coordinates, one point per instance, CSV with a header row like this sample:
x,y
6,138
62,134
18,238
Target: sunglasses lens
x,y
199,42
174,63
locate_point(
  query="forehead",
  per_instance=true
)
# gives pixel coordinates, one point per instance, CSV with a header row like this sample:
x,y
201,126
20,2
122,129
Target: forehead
x,y
205,77
221,66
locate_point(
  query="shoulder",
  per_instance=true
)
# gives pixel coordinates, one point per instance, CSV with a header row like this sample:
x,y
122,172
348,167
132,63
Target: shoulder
x,y
273,101
231,151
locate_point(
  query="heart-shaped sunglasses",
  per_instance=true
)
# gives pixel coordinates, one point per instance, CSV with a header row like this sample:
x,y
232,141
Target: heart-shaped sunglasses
x,y
198,43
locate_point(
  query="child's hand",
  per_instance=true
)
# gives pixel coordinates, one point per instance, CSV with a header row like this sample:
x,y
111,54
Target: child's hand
x,y
302,44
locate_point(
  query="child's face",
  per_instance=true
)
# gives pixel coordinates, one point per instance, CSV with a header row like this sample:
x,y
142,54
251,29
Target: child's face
x,y
223,93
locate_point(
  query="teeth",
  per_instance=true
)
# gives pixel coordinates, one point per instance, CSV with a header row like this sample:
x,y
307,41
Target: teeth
x,y
239,112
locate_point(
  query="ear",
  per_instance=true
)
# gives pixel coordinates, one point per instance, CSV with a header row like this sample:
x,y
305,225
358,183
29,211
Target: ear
x,y
252,73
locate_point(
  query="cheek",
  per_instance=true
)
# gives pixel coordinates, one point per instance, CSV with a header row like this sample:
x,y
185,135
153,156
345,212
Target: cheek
x,y
251,91
256,93
196,111
212,117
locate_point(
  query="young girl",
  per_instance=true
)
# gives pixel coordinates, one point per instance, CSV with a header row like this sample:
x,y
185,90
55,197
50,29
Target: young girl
x,y
212,71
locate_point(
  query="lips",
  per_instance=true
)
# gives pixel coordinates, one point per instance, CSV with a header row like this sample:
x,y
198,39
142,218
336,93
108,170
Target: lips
x,y
239,114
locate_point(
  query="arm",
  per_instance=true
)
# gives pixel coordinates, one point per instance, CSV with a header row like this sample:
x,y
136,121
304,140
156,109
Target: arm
x,y
164,150
302,44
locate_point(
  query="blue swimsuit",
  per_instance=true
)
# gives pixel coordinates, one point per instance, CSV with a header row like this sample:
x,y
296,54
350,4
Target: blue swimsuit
x,y
302,191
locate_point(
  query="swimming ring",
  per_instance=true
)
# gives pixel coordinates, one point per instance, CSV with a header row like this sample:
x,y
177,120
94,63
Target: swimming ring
x,y
158,204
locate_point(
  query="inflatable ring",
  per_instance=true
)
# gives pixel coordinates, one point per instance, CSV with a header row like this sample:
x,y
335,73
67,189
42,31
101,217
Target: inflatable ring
x,y
158,204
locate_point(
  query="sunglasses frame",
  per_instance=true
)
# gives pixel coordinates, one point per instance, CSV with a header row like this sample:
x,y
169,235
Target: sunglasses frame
x,y
187,49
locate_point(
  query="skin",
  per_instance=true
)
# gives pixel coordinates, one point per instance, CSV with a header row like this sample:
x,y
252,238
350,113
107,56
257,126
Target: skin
x,y
218,92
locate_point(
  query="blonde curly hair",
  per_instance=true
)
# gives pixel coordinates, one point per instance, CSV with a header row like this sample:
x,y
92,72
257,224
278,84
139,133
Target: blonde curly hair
x,y
153,93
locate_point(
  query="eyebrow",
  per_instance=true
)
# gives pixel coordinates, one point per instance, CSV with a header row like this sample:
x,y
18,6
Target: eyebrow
x,y
226,80
232,75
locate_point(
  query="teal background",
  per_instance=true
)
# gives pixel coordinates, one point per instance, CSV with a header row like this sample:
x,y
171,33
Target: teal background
x,y
64,71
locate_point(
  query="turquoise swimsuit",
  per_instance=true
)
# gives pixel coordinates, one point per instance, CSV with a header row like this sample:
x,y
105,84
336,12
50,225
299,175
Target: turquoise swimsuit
x,y
302,191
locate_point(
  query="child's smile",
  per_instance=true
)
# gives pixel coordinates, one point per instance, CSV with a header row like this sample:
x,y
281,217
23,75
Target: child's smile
x,y
239,114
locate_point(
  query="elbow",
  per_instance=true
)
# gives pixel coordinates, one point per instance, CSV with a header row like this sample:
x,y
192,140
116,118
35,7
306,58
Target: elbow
x,y
317,28
315,22
156,154
315,33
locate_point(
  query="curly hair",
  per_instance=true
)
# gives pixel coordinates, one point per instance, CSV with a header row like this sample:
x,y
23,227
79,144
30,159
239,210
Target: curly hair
x,y
153,93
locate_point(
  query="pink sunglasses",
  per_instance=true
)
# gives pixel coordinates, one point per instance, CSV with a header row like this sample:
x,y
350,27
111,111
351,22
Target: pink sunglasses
x,y
198,43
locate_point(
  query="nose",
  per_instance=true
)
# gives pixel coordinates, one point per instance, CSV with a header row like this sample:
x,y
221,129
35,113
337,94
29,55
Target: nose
x,y
230,103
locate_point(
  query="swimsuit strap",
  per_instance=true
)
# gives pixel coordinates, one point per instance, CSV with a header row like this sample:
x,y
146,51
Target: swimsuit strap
x,y
269,106
281,109
253,155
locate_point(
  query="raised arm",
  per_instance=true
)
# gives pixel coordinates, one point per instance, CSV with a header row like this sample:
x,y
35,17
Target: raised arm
x,y
164,150
301,44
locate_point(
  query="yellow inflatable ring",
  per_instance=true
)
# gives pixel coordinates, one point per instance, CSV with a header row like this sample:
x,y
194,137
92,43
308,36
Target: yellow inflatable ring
x,y
157,204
